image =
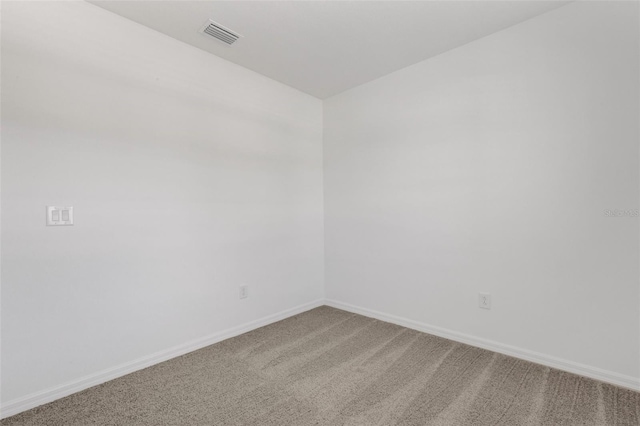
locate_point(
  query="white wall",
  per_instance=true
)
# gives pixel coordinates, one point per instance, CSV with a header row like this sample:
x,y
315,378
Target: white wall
x,y
488,169
188,175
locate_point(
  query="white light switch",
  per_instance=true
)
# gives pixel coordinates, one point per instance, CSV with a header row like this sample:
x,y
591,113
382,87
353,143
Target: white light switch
x,y
59,216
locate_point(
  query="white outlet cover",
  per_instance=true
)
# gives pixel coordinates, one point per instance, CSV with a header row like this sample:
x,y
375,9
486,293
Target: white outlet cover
x,y
59,216
244,292
484,300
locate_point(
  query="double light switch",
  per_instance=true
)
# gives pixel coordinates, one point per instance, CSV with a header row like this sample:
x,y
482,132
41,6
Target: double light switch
x,y
59,216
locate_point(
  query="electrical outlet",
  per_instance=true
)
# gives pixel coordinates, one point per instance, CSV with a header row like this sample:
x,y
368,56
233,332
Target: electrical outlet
x,y
244,291
484,300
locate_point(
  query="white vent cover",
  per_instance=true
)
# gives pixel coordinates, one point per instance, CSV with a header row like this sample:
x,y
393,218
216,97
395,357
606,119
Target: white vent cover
x,y
217,31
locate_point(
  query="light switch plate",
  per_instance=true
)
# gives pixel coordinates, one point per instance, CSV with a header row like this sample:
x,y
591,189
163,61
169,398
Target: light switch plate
x,y
59,216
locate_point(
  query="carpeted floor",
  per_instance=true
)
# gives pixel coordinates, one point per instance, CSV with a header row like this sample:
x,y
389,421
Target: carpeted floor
x,y
330,367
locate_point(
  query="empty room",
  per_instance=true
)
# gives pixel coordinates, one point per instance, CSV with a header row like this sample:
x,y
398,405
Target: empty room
x,y
292,213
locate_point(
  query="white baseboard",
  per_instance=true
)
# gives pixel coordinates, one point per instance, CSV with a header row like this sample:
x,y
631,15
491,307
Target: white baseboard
x,y
611,377
48,395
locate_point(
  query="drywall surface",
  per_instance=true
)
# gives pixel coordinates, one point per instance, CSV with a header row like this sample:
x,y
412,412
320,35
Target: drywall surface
x,y
491,168
189,176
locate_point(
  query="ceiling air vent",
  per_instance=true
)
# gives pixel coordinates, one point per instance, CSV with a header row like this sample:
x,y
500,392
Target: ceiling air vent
x,y
217,31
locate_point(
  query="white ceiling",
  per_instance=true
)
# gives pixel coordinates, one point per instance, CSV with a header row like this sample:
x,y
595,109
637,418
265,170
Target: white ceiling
x,y
325,47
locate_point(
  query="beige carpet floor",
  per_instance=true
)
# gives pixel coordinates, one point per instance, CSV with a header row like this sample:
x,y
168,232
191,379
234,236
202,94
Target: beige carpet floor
x,y
330,367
